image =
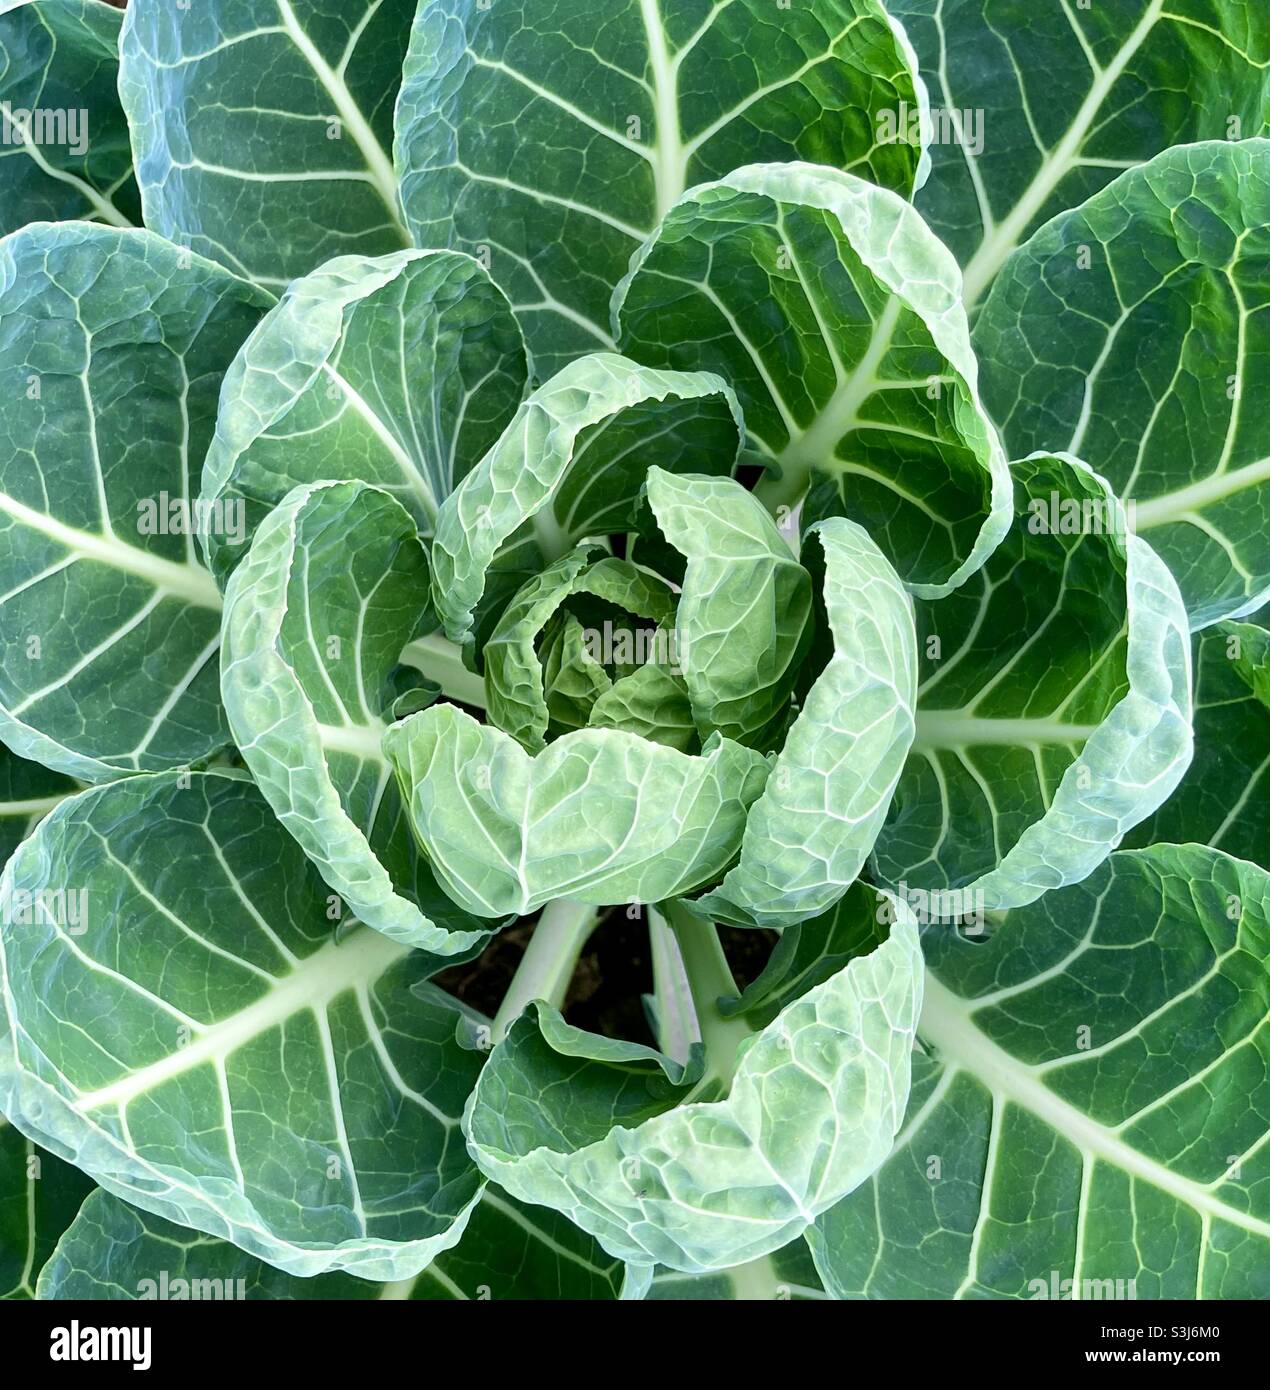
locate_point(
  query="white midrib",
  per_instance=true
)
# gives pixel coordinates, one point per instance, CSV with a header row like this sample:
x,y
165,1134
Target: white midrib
x,y
377,162
670,158
103,207
946,1022
333,970
994,249
189,582
955,729
1175,506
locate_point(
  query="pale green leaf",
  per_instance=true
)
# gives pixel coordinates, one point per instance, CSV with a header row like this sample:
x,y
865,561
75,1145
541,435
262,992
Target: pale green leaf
x,y
556,139
1133,333
1054,704
856,378
263,129
1094,1106
400,370
114,347
183,1023
333,588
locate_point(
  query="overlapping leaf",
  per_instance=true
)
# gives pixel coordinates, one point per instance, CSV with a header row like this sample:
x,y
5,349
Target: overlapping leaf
x,y
1134,332
554,140
1037,107
182,1023
262,130
1053,711
1094,1104
64,150
856,379
617,1141
316,617
113,345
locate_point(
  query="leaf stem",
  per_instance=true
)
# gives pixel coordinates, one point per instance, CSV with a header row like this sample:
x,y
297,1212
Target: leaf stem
x,y
549,961
442,661
710,979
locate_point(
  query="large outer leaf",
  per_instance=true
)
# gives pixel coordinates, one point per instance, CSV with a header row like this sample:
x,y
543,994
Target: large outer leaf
x,y
1134,332
743,620
574,460
262,129
601,816
39,1197
1224,799
555,139
335,585
1054,707
808,835
206,1049
1060,97
856,376
112,349
61,58
1095,1105
400,370
508,1251
579,1123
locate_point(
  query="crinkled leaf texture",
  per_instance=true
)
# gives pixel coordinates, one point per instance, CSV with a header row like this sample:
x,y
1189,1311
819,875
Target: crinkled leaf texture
x,y
600,816
262,130
196,1038
316,617
1054,709
556,138
1094,1095
574,461
1048,102
603,1131
1133,332
808,835
857,377
508,1251
399,370
61,58
114,347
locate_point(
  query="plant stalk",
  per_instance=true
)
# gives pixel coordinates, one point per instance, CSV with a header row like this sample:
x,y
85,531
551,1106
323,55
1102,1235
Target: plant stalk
x,y
710,979
442,661
549,961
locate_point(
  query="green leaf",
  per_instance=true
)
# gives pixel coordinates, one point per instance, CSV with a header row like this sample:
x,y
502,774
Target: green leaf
x,y
808,835
27,793
601,816
316,617
1224,799
574,461
1131,332
114,345
290,162
517,695
742,626
1094,1104
65,150
39,1196
555,141
581,1124
1040,106
1054,704
508,1251
182,1023
857,376
400,370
